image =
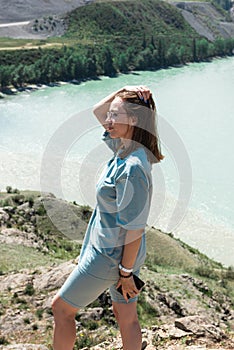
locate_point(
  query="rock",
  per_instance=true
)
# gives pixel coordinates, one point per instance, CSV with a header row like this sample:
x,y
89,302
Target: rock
x,y
200,326
214,333
194,324
9,209
23,347
54,278
14,321
170,331
3,215
92,314
15,236
15,281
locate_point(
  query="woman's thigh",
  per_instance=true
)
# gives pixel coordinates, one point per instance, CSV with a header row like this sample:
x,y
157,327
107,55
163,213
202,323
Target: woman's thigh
x,y
81,288
91,277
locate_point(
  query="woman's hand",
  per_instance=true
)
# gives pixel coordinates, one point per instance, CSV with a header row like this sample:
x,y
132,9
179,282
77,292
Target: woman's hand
x,y
142,91
129,288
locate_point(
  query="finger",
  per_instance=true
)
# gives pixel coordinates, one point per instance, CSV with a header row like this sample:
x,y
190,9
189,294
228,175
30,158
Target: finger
x,y
125,296
118,284
145,92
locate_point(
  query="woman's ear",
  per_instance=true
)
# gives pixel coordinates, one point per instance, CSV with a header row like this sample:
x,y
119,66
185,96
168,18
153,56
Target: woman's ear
x,y
133,120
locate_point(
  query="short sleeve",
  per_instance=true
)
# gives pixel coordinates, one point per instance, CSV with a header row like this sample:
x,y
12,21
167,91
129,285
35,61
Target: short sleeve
x,y
113,144
133,199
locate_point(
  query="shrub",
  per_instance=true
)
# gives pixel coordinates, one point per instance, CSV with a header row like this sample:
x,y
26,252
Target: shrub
x,y
84,340
86,212
206,271
9,189
18,198
39,313
29,289
41,210
30,202
26,320
3,341
34,327
6,203
230,273
90,324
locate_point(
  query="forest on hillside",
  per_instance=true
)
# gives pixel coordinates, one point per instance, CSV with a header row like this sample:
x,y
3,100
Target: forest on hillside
x,y
106,39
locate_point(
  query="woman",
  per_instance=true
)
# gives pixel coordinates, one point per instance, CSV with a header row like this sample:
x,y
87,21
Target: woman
x,y
114,244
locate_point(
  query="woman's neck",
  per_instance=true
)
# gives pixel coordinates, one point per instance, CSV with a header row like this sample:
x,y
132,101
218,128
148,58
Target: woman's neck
x,y
125,143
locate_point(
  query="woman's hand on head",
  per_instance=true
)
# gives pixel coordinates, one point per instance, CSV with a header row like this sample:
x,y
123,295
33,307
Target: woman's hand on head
x,y
142,91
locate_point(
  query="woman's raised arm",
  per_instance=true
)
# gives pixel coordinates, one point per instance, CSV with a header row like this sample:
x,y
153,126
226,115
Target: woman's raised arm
x,y
102,107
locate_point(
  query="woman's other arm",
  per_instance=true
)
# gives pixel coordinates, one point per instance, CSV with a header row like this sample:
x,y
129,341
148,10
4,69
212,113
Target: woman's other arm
x,y
131,247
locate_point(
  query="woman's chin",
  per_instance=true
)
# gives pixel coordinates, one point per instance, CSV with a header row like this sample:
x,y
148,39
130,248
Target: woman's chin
x,y
112,134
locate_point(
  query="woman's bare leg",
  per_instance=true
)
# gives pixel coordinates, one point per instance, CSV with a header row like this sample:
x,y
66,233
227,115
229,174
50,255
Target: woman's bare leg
x,y
64,324
126,316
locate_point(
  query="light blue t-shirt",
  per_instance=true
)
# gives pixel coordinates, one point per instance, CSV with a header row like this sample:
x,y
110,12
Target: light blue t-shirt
x,y
123,194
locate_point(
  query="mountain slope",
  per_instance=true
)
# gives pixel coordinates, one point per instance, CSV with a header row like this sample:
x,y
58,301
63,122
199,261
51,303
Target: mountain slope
x,y
206,19
23,10
187,299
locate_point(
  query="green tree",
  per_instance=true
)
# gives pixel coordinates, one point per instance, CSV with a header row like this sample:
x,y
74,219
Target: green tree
x,y
219,46
172,55
161,52
202,49
229,46
18,77
122,63
78,70
91,66
62,67
155,59
108,66
194,50
5,76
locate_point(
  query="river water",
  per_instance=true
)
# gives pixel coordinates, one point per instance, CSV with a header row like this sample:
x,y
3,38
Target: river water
x,y
49,140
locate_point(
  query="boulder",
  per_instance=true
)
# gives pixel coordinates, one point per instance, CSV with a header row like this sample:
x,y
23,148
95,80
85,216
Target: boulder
x,y
4,217
16,236
170,331
200,326
193,324
54,278
23,347
15,282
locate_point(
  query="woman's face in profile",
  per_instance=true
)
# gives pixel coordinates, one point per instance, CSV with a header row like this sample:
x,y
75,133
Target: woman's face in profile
x,y
117,122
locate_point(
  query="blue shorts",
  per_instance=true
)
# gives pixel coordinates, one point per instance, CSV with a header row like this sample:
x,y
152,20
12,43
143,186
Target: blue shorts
x,y
92,276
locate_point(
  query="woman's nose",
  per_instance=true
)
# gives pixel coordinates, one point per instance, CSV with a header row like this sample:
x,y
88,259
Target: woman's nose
x,y
108,119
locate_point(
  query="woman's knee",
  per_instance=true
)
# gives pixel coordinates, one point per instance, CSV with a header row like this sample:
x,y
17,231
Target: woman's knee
x,y
62,310
125,313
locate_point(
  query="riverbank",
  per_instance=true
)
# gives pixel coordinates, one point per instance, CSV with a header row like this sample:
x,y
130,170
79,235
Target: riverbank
x,y
105,30
14,90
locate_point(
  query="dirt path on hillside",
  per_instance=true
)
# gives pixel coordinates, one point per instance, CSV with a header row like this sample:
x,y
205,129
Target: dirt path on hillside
x,y
3,25
30,47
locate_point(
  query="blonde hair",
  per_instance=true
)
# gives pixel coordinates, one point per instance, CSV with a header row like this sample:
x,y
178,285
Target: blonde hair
x,y
145,130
